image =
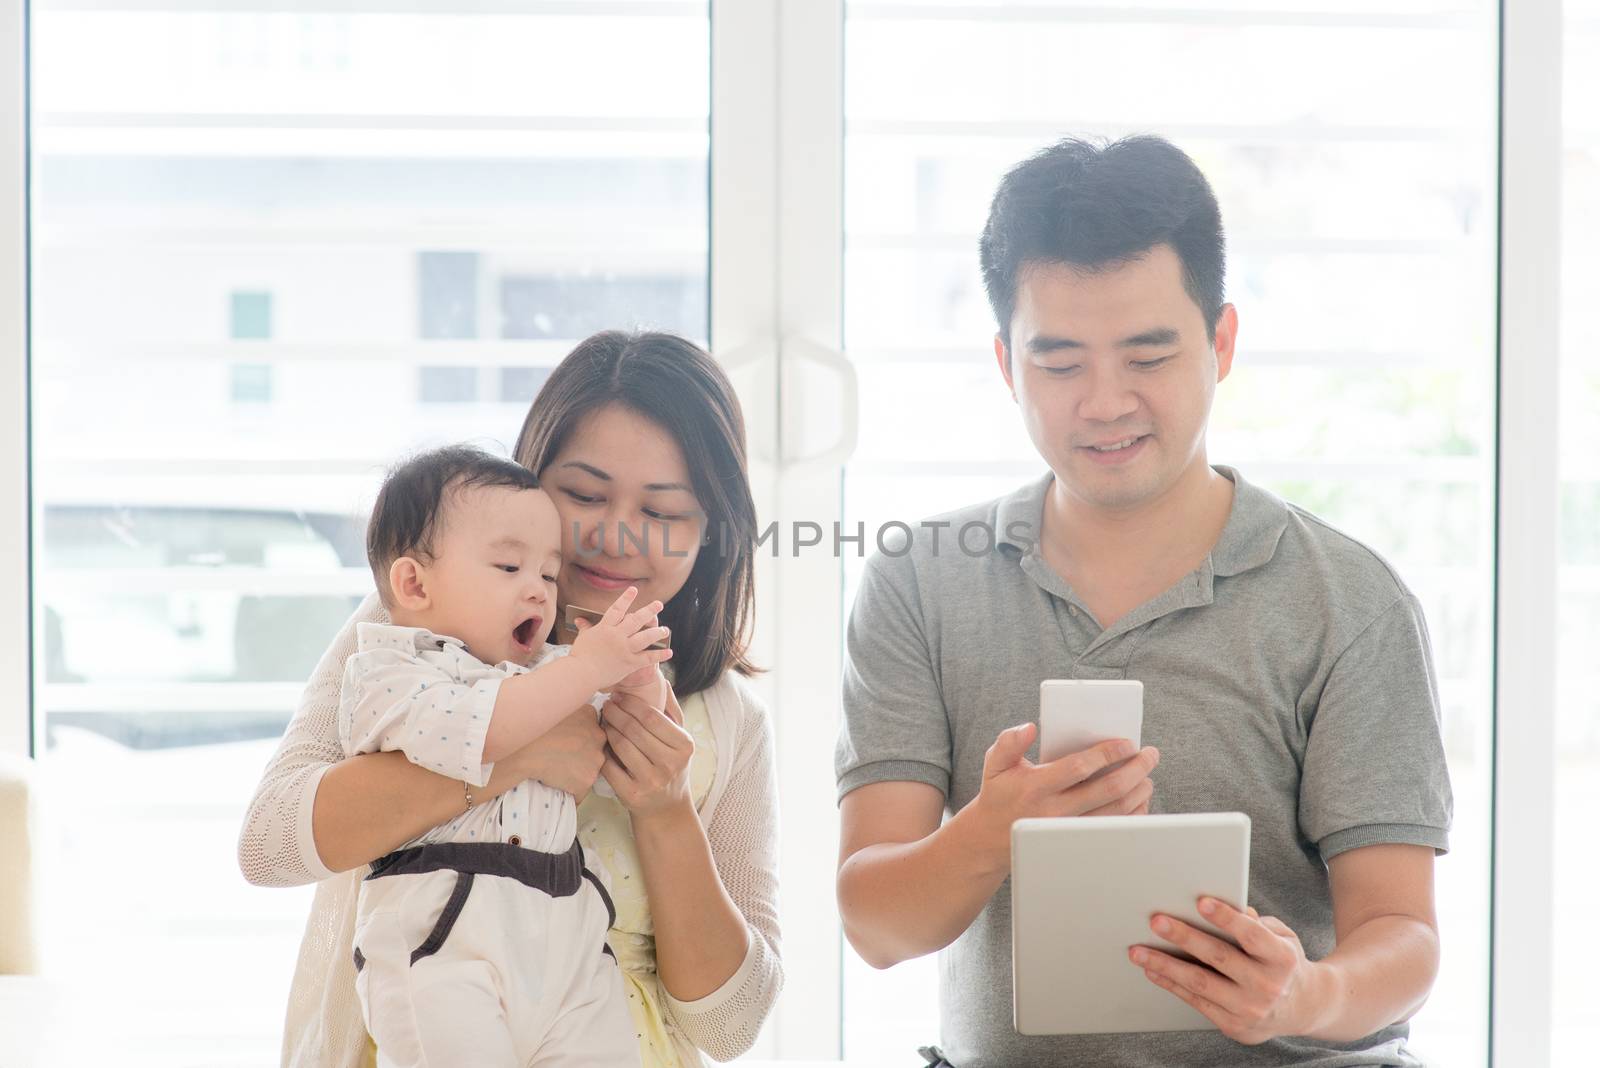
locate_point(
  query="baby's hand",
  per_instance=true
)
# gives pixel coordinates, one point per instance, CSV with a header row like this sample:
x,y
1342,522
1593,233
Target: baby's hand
x,y
647,684
618,646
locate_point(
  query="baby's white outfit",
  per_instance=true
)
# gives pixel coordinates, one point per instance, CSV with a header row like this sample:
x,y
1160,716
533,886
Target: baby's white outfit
x,y
483,941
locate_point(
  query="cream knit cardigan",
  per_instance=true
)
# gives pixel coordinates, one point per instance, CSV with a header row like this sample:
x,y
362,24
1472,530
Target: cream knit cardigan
x,y
740,814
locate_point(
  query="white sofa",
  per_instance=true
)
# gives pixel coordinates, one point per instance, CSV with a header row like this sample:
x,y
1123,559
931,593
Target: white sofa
x,y
19,850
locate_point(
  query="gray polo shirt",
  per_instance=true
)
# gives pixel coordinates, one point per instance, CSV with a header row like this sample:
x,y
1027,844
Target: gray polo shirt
x,y
1289,678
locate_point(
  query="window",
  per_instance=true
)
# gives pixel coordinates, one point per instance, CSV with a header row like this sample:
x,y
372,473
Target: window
x,y
447,385
447,285
272,251
519,385
339,190
1361,227
541,307
251,318
250,383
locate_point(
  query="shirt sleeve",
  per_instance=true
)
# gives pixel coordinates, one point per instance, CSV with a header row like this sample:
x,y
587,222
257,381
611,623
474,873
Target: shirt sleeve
x,y
895,727
743,835
1375,770
276,846
392,701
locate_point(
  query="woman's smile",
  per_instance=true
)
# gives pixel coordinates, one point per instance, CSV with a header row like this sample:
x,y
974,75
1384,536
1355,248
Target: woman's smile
x,y
603,578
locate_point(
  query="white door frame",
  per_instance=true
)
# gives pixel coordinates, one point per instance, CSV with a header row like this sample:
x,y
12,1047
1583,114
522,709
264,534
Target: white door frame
x,y
16,631
776,305
1528,501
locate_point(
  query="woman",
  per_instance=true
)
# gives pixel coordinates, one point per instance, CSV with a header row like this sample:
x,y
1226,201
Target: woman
x,y
640,441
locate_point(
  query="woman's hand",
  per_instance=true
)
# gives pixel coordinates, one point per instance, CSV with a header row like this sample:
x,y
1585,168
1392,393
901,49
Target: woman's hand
x,y
566,757
647,756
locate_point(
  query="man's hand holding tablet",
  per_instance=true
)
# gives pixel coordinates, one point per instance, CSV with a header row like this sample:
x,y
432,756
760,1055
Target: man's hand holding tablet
x,y
1255,983
1083,895
1260,988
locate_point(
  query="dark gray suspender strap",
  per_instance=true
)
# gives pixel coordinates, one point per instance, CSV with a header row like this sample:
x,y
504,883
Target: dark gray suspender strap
x,y
447,918
557,874
611,910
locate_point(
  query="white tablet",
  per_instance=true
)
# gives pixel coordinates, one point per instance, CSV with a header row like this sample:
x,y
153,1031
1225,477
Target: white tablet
x,y
1083,890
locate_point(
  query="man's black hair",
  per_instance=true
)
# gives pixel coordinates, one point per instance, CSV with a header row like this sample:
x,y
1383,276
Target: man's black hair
x,y
405,517
1100,206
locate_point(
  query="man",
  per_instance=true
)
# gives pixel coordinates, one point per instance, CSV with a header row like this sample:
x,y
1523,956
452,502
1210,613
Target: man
x,y
1286,668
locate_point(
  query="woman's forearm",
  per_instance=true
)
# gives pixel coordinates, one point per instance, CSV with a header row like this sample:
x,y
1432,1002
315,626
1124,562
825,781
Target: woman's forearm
x,y
701,939
370,805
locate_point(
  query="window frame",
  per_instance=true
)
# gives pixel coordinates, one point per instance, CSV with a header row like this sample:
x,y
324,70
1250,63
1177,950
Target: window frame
x,y
16,623
1527,512
777,265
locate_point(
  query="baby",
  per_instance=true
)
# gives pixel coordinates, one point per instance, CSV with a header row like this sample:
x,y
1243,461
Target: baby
x,y
482,942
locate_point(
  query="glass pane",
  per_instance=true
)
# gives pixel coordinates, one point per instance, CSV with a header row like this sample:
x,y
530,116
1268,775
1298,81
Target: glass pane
x,y
1576,1009
273,252
1360,206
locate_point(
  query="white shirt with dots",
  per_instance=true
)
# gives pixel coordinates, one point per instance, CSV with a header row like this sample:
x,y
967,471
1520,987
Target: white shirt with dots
x,y
423,694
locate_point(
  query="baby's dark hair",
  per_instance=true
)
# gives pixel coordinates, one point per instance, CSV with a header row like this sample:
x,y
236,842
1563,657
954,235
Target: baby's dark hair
x,y
405,517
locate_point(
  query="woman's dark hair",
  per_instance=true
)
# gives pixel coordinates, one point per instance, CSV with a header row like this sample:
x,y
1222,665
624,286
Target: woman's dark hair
x,y
1098,206
679,387
405,517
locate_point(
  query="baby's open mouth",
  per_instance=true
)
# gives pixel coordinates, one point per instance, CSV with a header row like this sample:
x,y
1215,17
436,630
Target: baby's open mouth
x,y
525,631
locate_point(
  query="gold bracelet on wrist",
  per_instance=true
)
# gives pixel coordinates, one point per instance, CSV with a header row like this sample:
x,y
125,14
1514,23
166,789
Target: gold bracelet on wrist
x,y
467,786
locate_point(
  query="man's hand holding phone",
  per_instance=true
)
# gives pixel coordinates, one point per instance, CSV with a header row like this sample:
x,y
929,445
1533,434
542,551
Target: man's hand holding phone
x,y
1015,788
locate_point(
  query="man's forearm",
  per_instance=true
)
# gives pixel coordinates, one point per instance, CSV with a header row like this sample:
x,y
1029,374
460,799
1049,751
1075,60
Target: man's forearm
x,y
901,900
1380,974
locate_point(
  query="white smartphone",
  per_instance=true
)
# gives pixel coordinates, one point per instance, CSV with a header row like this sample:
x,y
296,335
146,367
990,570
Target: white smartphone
x,y
1075,714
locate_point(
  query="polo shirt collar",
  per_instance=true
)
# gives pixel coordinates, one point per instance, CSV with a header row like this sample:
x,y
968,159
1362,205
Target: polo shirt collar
x,y
411,639
1249,539
1255,526
1020,515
